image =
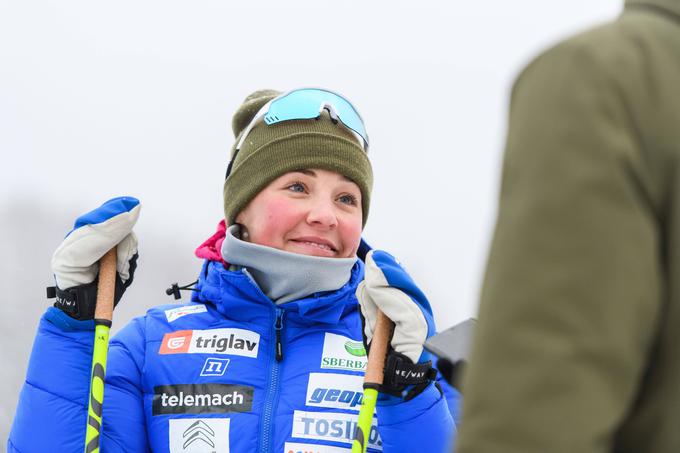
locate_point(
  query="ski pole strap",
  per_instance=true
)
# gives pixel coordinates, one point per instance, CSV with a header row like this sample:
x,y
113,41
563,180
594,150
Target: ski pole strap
x,y
400,373
79,302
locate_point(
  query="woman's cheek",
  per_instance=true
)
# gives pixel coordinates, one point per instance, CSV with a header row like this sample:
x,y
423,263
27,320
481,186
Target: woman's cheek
x,y
351,236
281,211
280,219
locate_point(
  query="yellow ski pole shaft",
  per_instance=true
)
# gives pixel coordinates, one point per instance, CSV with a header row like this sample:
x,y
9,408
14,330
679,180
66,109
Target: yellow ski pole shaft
x,y
372,379
103,315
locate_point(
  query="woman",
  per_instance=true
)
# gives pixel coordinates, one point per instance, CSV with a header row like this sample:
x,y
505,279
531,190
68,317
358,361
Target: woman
x,y
268,357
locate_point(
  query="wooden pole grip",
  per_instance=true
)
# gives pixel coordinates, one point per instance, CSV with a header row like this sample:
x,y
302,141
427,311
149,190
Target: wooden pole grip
x,y
379,343
107,286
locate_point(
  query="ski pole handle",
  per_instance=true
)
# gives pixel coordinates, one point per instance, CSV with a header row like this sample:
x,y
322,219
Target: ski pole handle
x,y
107,286
376,359
372,379
103,316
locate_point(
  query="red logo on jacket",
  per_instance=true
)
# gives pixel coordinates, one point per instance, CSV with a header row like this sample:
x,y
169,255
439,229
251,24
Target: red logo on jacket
x,y
176,342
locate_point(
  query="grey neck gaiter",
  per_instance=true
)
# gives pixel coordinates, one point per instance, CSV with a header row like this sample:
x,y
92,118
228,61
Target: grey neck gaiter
x,y
285,276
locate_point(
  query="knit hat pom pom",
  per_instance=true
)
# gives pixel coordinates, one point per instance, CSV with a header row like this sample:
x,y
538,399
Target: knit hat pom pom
x,y
251,105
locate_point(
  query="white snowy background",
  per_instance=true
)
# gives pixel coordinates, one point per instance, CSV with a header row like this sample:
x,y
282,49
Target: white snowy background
x,y
99,99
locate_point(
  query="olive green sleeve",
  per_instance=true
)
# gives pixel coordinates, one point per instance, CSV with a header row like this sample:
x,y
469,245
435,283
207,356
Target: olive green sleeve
x,y
572,288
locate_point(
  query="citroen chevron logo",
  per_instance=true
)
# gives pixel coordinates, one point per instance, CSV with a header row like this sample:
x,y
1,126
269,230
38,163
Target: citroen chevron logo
x,y
198,435
198,432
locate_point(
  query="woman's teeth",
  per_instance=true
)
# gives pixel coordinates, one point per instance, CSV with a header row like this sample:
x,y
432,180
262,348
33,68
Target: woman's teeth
x,y
317,245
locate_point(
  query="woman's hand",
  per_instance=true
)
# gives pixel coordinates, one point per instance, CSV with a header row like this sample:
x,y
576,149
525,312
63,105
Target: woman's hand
x,y
389,288
75,262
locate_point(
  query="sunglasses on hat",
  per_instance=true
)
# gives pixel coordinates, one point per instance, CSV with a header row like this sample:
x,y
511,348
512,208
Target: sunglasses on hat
x,y
304,104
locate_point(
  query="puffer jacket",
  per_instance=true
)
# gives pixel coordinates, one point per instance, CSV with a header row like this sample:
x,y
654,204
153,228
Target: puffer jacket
x,y
229,372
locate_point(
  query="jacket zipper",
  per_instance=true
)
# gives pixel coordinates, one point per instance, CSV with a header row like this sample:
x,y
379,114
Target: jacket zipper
x,y
278,326
273,391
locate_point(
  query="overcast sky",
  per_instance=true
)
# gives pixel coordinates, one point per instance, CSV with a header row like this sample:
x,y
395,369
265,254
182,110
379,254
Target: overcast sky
x,y
99,99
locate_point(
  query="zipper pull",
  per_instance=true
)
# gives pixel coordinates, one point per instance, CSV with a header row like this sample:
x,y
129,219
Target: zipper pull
x,y
279,326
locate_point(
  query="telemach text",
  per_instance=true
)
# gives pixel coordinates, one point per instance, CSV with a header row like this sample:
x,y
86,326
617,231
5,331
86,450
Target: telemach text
x,y
201,399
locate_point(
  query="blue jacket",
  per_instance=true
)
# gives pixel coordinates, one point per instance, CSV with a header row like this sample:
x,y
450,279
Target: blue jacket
x,y
206,377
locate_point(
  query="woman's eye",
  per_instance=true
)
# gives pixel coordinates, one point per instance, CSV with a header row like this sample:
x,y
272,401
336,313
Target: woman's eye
x,y
348,199
297,187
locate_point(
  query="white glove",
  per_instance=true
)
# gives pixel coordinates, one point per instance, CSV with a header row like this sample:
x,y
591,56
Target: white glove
x,y
388,287
76,260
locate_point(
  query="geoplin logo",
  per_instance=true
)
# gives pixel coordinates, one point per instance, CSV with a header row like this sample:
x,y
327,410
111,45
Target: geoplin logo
x,y
339,391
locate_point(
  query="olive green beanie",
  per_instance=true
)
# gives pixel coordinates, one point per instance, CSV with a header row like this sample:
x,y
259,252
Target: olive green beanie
x,y
270,151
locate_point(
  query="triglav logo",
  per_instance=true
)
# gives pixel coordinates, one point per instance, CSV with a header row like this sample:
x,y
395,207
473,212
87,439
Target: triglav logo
x,y
199,435
332,426
342,353
175,343
201,399
214,367
341,391
214,341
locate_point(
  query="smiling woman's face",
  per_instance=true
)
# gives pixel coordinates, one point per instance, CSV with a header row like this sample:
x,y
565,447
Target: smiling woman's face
x,y
312,212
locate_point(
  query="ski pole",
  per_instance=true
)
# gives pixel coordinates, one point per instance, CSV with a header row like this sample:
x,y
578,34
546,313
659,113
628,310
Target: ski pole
x,y
372,379
103,315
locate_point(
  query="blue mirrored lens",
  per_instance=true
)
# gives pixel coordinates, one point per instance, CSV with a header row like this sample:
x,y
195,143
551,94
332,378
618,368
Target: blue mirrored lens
x,y
307,103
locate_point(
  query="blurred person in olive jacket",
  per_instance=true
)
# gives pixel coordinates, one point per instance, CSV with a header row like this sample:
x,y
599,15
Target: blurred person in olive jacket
x,y
578,342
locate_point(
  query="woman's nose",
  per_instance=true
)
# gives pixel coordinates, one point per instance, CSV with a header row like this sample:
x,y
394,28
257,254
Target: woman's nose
x,y
322,213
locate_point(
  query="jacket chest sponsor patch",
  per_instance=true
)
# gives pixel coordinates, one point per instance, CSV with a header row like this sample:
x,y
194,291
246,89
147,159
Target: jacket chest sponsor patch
x,y
199,435
173,314
214,366
343,353
201,399
214,341
340,391
332,426
295,447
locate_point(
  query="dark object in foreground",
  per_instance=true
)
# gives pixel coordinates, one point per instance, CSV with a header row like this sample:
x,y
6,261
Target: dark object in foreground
x,y
453,346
